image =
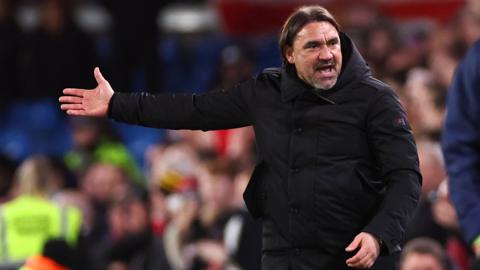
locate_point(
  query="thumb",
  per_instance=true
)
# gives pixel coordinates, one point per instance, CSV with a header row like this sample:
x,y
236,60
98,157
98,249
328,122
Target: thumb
x,y
354,244
98,76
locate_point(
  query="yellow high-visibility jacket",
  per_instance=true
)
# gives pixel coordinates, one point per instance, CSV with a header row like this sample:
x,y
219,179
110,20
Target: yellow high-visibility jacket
x,y
27,222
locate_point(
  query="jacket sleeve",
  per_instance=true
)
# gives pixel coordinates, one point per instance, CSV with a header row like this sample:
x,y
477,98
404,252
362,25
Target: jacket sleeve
x,y
207,111
394,150
461,142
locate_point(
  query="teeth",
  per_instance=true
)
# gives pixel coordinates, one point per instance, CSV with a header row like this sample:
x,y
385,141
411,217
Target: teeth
x,y
325,69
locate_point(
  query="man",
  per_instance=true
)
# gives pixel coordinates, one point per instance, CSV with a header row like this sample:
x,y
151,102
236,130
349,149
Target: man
x,y
461,141
338,173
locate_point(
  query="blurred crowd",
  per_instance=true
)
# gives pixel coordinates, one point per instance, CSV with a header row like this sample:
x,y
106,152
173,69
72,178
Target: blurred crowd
x,y
180,205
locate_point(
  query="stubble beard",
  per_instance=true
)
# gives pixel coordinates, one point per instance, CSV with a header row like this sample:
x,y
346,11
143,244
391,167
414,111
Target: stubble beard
x,y
324,85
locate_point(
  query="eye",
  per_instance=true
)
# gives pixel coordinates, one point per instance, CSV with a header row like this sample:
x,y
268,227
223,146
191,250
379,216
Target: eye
x,y
333,42
311,45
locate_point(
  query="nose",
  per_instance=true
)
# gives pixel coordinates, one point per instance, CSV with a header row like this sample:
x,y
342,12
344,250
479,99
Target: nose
x,y
325,54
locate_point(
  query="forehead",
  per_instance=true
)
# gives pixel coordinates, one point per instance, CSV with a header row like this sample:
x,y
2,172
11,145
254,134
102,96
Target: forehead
x,y
317,31
422,261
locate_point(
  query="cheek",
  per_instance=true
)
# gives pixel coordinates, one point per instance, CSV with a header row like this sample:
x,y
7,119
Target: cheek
x,y
305,62
338,59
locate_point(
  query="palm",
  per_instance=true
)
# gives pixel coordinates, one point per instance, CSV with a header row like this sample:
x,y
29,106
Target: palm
x,y
83,102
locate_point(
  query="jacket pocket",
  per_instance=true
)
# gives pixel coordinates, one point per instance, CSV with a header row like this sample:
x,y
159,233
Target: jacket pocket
x,y
254,194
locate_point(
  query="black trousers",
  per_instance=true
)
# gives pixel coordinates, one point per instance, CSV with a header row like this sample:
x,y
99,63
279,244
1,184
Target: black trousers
x,y
278,254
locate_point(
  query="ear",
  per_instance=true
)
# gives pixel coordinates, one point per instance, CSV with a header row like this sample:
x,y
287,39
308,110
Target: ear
x,y
289,55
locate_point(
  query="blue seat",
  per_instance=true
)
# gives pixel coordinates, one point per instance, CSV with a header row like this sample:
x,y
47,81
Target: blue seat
x,y
191,67
54,142
267,54
33,115
34,126
15,143
205,62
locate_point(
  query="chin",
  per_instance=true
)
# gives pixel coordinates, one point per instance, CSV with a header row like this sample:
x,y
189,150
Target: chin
x,y
324,86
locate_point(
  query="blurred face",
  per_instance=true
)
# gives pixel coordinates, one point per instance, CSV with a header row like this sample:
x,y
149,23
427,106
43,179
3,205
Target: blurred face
x,y
317,55
137,217
431,167
417,261
103,182
117,222
216,189
84,136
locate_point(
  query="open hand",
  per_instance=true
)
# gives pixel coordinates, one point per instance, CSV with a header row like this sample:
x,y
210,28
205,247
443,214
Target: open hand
x,y
88,102
368,251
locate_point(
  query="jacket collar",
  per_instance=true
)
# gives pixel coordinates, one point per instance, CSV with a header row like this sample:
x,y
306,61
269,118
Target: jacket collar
x,y
354,67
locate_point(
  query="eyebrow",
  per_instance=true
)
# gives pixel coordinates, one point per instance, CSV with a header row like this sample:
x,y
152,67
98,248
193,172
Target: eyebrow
x,y
316,42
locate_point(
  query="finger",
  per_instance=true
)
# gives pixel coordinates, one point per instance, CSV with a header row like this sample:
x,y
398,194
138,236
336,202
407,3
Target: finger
x,y
66,107
354,244
74,92
358,257
70,99
98,76
77,112
365,262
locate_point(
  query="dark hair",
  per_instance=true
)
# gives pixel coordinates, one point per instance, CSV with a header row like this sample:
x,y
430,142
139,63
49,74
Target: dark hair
x,y
297,20
59,251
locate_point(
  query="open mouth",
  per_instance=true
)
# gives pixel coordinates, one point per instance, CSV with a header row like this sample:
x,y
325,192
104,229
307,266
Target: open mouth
x,y
326,70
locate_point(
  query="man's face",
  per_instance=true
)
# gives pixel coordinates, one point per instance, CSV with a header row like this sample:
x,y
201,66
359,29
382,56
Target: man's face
x,y
317,55
417,261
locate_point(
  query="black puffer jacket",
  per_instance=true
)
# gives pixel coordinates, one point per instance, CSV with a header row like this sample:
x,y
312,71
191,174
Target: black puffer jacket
x,y
332,164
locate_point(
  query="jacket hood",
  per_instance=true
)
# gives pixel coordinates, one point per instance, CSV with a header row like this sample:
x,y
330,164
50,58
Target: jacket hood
x,y
354,68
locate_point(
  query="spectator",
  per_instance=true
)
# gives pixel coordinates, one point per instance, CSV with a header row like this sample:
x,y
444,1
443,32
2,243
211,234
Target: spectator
x,y
423,254
30,218
425,103
56,255
103,184
212,232
445,216
435,216
136,247
95,141
380,42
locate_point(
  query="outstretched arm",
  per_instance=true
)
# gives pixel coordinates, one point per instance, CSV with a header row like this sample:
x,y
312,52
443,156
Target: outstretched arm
x,y
223,109
88,102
